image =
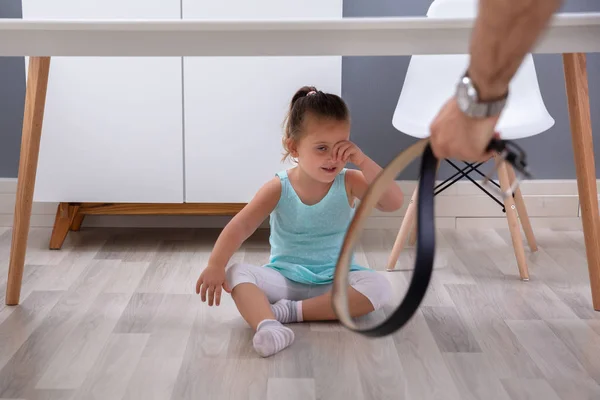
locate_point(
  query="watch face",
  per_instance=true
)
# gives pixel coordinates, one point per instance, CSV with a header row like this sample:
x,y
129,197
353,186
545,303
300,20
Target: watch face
x,y
462,96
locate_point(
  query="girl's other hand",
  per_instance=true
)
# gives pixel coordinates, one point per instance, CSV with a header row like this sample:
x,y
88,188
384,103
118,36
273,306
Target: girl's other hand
x,y
211,281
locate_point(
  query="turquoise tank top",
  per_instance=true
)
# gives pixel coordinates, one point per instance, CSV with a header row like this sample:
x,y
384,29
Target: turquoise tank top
x,y
306,240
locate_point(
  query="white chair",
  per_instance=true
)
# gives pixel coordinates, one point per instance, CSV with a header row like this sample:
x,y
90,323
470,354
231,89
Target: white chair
x,y
430,81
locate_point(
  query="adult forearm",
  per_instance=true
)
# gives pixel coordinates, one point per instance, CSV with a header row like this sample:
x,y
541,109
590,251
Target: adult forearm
x,y
504,32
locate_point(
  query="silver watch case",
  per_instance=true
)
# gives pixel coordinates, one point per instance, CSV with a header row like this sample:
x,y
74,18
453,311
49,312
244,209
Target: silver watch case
x,y
468,101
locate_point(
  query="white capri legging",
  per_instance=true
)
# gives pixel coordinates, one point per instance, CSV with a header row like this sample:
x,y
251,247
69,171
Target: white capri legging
x,y
275,286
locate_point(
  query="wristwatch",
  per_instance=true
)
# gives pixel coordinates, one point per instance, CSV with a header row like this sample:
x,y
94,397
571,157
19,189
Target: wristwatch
x,y
467,97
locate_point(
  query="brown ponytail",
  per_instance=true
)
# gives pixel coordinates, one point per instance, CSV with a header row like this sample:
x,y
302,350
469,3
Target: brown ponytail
x,y
309,100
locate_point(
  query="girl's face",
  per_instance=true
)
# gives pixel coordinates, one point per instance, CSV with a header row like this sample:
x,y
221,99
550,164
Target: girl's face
x,y
314,151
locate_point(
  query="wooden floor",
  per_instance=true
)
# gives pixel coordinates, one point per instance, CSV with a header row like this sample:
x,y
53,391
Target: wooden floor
x,y
114,316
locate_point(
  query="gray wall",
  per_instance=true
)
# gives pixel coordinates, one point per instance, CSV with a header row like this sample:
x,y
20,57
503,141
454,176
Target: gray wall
x,y
371,86
12,96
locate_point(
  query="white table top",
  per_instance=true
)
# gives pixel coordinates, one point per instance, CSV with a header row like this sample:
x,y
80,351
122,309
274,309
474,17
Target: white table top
x,y
567,32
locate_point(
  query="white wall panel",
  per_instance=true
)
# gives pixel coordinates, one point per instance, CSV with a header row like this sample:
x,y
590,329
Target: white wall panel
x,y
235,106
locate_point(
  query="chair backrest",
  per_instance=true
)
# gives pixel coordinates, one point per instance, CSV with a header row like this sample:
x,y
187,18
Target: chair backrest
x,y
453,9
431,80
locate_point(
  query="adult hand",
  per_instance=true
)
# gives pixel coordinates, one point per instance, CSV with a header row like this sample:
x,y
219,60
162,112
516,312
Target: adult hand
x,y
456,135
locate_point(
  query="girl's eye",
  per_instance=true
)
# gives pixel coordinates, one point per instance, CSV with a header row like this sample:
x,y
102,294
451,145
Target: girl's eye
x,y
322,148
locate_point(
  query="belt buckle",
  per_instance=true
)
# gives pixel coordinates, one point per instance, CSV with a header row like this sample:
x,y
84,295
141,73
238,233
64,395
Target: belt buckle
x,y
512,153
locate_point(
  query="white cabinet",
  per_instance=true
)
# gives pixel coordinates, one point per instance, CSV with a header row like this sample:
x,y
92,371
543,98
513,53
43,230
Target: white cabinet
x,y
235,106
234,112
172,129
112,126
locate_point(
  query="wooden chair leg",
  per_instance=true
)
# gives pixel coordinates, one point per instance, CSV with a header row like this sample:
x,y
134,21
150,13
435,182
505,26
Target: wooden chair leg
x,y
408,222
522,210
513,221
65,216
35,101
412,240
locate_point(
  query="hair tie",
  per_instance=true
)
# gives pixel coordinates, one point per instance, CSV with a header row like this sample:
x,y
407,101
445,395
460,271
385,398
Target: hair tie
x,y
312,92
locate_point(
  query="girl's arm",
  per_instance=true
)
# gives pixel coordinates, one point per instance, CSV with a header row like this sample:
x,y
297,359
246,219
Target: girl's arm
x,y
359,181
241,226
245,223
391,200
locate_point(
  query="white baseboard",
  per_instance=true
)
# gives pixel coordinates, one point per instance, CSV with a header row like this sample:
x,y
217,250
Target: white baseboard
x,y
550,204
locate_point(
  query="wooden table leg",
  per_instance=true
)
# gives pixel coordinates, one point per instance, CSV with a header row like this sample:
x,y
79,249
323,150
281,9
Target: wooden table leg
x,y
581,133
35,101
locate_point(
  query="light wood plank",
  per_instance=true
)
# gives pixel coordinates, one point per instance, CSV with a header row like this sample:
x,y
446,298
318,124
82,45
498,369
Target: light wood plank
x,y
219,349
33,281
575,389
291,388
378,362
153,378
138,314
76,260
449,331
336,364
21,323
127,278
49,394
171,263
471,372
425,373
582,341
544,301
111,373
75,357
575,295
295,363
507,356
171,326
222,379
529,389
548,351
595,325
29,363
136,245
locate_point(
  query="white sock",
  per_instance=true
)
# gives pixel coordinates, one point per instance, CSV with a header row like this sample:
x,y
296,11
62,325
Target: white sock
x,y
271,337
287,311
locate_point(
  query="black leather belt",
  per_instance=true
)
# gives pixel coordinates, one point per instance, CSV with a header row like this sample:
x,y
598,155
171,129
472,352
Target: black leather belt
x,y
425,245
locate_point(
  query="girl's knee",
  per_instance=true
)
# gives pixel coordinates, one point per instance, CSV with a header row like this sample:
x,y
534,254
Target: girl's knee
x,y
372,285
240,273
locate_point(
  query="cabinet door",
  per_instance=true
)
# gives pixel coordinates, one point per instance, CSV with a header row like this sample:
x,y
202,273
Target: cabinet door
x,y
234,107
113,129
